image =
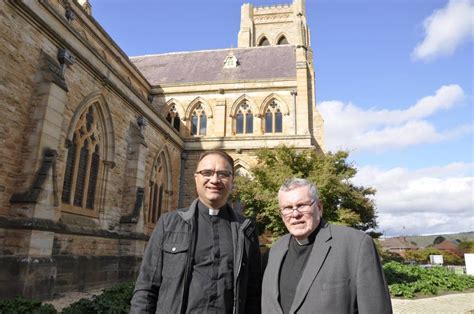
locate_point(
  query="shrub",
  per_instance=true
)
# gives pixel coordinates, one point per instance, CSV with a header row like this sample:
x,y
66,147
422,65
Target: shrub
x,y
21,305
408,280
422,256
113,300
466,246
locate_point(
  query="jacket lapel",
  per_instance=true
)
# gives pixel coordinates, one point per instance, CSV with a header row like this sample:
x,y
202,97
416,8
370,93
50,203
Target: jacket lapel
x,y
188,213
321,247
273,268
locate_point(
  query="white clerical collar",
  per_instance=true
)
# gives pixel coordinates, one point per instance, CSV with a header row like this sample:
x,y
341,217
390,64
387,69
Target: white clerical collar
x,y
302,241
213,212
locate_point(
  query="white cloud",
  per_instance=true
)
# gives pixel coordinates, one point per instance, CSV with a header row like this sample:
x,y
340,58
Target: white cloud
x,y
446,29
423,201
350,127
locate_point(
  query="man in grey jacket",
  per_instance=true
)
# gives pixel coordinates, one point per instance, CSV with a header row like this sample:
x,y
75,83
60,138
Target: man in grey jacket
x,y
205,258
318,267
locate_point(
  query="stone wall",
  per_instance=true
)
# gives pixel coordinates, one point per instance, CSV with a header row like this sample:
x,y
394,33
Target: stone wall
x,y
52,69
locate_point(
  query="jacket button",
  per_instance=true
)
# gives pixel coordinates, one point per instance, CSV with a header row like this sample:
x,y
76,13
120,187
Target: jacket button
x,y
173,249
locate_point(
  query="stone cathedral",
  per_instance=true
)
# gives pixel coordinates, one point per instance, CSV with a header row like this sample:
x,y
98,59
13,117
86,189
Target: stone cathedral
x,y
96,145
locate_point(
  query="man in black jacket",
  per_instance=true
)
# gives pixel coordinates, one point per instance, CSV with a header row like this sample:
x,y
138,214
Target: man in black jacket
x,y
205,258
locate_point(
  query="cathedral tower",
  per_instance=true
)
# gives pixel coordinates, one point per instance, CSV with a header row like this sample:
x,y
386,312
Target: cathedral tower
x,y
274,25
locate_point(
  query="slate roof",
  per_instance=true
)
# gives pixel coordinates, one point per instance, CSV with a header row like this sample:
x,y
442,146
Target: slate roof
x,y
256,63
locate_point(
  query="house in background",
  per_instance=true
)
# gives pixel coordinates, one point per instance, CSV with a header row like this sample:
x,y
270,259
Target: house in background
x,y
398,245
451,246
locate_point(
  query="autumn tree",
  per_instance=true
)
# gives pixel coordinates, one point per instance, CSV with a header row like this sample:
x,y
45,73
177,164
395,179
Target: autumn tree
x,y
343,201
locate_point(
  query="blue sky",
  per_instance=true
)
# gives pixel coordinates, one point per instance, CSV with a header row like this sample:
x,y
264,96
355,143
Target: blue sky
x,y
394,83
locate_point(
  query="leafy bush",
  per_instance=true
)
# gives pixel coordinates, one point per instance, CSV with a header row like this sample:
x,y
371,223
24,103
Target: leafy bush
x,y
422,256
466,246
20,305
408,280
113,300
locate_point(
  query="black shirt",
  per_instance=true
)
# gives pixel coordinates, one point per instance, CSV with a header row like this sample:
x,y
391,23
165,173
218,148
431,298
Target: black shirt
x,y
211,284
292,268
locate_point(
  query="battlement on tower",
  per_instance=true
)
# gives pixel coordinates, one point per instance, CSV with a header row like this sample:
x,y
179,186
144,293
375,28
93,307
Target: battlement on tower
x,y
275,7
273,25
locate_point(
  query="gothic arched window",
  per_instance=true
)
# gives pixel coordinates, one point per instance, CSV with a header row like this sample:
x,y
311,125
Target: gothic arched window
x,y
198,121
273,118
173,117
282,41
264,42
157,198
83,162
243,119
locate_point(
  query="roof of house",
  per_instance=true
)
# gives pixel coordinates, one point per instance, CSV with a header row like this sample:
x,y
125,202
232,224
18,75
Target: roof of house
x,y
397,243
255,63
447,245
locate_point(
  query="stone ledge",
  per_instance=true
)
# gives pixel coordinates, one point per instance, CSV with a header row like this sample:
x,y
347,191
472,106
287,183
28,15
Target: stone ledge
x,y
59,227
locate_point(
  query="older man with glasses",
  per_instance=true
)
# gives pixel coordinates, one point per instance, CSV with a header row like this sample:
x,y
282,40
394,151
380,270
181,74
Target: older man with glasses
x,y
319,267
205,258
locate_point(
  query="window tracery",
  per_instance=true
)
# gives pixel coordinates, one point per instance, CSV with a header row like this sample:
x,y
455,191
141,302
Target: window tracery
x,y
83,162
198,121
173,117
273,118
157,201
244,119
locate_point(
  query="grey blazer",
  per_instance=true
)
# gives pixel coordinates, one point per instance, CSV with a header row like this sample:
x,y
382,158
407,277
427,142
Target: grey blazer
x,y
342,275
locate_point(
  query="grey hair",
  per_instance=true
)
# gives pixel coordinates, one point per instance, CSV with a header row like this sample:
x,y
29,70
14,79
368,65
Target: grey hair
x,y
294,183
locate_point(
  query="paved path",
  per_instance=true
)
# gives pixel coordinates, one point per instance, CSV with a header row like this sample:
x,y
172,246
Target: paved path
x,y
461,303
71,297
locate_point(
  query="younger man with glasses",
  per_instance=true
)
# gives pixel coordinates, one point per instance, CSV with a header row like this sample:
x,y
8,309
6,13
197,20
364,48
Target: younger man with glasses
x,y
205,258
318,267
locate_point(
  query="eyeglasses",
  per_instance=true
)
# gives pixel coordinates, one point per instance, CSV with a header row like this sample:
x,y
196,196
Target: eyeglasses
x,y
300,208
221,174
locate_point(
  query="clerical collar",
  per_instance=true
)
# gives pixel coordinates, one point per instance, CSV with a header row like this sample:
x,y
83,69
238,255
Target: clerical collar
x,y
304,241
211,211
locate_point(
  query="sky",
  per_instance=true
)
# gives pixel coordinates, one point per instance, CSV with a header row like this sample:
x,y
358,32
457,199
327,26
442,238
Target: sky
x,y
394,84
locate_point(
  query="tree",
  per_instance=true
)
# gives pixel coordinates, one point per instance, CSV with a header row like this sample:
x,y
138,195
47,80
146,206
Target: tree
x,y
466,247
343,202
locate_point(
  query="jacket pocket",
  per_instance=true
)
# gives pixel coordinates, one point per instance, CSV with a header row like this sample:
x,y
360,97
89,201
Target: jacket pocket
x,y
174,259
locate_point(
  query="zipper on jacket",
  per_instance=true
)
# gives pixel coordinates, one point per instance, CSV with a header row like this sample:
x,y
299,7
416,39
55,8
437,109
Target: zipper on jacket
x,y
240,248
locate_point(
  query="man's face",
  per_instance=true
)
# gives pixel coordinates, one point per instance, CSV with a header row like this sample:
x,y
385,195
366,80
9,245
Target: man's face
x,y
213,190
300,225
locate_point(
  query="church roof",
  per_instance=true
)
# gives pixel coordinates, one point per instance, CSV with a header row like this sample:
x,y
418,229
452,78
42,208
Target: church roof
x,y
255,63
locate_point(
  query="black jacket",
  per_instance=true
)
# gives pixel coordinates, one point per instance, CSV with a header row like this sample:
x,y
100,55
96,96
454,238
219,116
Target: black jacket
x,y
162,285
